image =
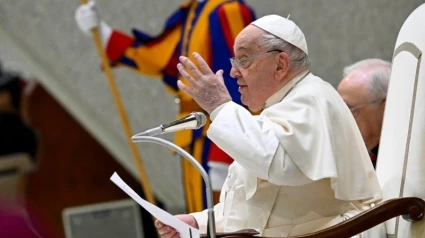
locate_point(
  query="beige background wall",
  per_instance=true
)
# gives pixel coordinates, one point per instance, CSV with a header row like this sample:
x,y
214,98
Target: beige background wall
x,y
42,36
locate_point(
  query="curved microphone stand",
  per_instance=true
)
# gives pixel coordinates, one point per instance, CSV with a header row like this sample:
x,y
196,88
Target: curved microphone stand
x,y
183,153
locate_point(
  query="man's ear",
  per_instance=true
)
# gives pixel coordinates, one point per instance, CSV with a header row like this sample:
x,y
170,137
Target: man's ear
x,y
282,66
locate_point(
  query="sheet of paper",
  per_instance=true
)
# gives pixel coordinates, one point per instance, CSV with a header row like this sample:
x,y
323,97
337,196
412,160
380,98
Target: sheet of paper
x,y
185,230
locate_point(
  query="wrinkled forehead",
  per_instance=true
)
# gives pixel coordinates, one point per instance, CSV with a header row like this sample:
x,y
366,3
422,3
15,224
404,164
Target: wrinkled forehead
x,y
249,40
353,89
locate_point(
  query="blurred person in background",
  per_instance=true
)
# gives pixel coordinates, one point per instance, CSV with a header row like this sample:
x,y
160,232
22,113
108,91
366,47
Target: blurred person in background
x,y
364,90
15,135
18,149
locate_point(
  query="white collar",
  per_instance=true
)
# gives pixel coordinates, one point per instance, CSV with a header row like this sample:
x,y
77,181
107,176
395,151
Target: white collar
x,y
281,93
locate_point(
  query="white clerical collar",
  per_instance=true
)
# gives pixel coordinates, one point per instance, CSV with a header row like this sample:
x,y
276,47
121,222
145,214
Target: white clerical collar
x,y
281,93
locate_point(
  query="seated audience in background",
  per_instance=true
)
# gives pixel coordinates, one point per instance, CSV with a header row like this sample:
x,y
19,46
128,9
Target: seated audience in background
x,y
364,90
17,220
15,135
301,165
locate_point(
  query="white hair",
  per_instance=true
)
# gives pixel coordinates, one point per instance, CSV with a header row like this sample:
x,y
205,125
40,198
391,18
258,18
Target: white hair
x,y
379,72
299,60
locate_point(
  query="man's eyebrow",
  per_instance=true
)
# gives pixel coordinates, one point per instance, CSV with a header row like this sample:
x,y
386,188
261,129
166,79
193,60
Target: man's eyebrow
x,y
242,48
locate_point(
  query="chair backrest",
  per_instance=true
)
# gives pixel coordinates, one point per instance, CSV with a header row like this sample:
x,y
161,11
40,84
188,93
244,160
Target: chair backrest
x,y
12,169
401,160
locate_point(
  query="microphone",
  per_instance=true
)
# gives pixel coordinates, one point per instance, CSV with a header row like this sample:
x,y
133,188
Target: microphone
x,y
211,231
194,120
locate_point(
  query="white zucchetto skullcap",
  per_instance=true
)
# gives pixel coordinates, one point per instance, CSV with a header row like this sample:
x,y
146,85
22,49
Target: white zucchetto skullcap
x,y
283,28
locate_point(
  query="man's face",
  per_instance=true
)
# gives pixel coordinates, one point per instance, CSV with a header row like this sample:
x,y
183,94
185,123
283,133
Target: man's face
x,y
368,114
254,69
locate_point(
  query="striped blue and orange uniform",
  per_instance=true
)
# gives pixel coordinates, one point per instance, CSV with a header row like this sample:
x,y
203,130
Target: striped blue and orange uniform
x,y
208,27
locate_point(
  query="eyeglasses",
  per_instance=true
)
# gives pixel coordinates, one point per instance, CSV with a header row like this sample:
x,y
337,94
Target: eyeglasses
x,y
352,109
239,63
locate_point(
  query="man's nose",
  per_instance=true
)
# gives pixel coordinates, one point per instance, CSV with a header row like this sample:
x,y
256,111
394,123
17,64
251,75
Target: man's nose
x,y
234,72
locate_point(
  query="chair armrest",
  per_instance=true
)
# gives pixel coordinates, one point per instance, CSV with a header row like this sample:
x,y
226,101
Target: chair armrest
x,y
410,208
241,233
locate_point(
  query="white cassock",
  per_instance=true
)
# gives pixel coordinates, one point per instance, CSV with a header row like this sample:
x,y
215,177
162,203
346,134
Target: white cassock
x,y
300,166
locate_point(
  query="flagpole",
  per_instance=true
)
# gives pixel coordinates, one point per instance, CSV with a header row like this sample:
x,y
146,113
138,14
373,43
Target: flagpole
x,y
124,119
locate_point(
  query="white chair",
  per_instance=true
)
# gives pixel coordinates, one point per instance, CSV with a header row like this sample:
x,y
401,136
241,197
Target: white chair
x,y
401,160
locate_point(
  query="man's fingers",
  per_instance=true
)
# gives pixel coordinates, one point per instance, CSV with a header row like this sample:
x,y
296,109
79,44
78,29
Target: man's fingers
x,y
202,64
166,231
191,66
185,88
186,75
163,230
170,233
220,75
177,235
158,224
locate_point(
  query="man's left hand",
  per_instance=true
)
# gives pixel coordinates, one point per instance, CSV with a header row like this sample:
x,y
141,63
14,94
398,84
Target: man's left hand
x,y
207,89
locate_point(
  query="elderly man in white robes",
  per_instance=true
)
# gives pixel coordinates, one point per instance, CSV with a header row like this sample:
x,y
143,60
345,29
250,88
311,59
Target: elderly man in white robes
x,y
301,165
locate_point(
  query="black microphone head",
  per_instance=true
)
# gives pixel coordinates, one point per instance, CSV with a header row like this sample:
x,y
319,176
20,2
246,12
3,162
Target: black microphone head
x,y
201,119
